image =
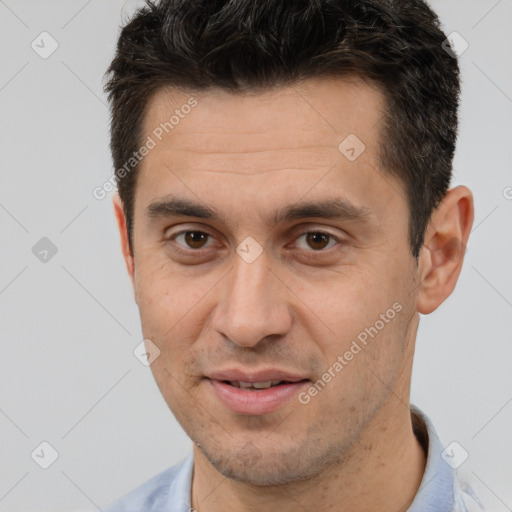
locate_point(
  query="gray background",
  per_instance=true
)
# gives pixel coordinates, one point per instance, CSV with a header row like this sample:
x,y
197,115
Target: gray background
x,y
68,326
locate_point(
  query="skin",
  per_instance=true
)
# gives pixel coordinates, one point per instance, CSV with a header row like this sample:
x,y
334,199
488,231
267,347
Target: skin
x,y
248,156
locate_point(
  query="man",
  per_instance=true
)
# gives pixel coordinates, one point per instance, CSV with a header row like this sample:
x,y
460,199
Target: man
x,y
285,216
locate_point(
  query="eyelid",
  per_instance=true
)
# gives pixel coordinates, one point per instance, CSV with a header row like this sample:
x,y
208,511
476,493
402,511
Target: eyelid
x,y
313,228
198,227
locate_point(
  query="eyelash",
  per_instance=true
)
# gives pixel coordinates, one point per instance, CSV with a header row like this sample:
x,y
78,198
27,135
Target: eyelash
x,y
191,250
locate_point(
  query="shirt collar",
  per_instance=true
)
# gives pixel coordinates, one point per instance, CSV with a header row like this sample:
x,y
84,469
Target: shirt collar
x,y
436,491
179,499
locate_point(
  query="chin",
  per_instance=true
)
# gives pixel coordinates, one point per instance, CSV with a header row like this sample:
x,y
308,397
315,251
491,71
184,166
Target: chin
x,y
250,466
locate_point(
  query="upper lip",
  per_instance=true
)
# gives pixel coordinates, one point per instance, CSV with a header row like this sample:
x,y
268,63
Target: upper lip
x,y
264,375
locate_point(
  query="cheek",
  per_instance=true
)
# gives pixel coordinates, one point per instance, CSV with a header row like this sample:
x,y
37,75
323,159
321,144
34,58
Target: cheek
x,y
359,317
165,294
348,300
173,307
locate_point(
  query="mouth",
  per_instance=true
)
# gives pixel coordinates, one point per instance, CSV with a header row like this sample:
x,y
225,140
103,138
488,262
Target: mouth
x,y
256,386
256,397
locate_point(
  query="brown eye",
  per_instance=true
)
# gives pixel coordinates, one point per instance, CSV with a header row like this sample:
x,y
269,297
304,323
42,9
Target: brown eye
x,y
317,240
193,239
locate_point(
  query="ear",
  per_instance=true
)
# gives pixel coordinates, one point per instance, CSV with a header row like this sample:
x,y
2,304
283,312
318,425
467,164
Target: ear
x,y
442,254
123,232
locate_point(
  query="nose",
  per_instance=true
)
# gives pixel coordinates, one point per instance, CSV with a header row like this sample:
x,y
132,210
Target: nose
x,y
252,305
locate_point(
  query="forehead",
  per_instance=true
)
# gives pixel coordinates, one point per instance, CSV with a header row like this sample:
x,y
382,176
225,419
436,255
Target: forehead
x,y
266,147
317,113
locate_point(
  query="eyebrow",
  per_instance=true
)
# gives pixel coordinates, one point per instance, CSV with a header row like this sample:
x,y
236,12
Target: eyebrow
x,y
330,208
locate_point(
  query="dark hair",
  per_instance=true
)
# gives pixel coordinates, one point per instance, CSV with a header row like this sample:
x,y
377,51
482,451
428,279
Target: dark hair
x,y
241,45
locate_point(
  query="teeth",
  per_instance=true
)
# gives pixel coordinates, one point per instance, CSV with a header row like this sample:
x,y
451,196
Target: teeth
x,y
255,385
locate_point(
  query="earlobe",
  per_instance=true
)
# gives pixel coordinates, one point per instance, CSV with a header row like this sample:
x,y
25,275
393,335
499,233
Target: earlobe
x,y
444,247
123,233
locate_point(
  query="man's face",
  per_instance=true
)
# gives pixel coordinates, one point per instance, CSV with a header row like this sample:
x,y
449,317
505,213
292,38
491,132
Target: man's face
x,y
255,295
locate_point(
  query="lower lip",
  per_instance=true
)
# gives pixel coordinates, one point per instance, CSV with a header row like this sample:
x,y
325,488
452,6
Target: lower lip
x,y
263,401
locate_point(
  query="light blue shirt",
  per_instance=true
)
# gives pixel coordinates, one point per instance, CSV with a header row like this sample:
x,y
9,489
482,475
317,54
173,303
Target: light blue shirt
x,y
440,489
